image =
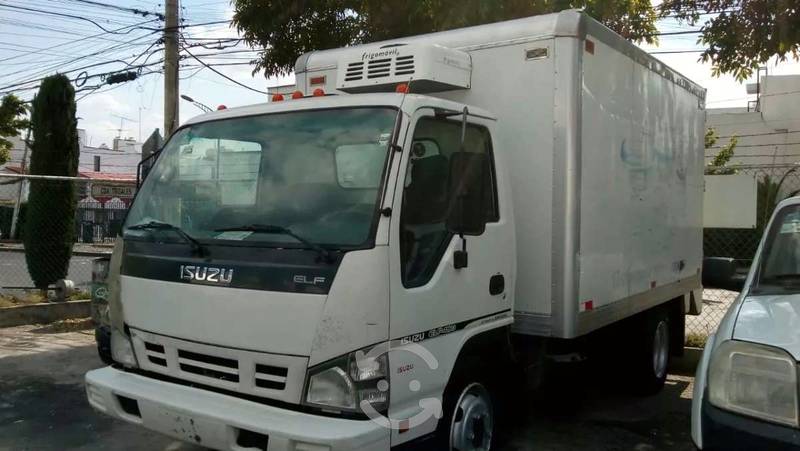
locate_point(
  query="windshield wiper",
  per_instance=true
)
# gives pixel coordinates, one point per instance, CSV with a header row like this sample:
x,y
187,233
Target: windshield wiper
x,y
158,225
278,230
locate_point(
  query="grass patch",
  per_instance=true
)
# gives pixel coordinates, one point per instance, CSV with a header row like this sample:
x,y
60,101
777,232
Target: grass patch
x,y
696,340
36,297
66,325
32,297
80,295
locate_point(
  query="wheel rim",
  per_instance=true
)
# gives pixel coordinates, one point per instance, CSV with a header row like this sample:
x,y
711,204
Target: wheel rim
x,y
661,349
472,424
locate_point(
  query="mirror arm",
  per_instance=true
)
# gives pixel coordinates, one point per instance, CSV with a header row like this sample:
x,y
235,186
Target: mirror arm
x,y
461,257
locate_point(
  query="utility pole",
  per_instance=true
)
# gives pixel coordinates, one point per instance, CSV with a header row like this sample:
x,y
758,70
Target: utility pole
x,y
171,80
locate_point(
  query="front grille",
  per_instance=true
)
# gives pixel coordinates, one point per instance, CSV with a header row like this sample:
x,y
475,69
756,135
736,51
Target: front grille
x,y
247,372
272,377
155,354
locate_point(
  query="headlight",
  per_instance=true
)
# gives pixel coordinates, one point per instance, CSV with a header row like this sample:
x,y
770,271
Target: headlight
x,y
122,349
347,383
755,380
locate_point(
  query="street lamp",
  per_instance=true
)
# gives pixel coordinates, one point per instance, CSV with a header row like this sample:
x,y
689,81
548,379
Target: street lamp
x,y
203,108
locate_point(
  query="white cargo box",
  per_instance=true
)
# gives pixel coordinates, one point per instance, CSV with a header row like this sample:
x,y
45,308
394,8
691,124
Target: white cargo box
x,y
604,145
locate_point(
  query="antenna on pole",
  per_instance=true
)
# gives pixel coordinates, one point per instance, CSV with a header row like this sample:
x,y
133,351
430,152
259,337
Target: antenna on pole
x,y
122,120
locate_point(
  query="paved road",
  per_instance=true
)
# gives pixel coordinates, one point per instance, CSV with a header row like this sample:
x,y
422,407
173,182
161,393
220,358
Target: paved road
x,y
43,407
14,271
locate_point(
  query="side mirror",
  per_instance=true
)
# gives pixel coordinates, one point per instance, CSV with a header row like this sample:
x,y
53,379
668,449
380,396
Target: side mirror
x,y
469,185
723,273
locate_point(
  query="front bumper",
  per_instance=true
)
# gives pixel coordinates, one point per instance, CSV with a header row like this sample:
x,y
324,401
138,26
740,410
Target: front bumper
x,y
224,422
724,430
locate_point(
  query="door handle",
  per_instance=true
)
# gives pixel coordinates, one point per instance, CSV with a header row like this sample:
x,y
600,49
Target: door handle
x,y
497,284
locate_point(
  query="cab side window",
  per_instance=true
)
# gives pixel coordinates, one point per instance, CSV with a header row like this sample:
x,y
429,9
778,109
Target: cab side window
x,y
426,197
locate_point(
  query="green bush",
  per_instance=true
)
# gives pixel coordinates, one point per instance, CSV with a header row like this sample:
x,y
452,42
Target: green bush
x,y
50,216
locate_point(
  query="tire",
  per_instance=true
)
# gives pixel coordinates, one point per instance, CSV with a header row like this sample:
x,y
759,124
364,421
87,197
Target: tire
x,y
102,336
651,362
468,422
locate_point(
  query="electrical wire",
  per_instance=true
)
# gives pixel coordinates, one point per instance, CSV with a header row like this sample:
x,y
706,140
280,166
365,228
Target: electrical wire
x,y
42,11
122,8
221,74
130,29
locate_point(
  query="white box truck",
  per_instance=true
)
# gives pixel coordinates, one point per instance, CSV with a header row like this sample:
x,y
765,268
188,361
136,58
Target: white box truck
x,y
365,266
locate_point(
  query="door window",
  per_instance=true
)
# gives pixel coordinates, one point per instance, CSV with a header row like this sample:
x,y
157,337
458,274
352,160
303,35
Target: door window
x,y
426,200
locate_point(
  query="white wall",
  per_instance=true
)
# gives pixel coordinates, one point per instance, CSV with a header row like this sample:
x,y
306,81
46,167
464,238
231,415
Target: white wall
x,y
765,136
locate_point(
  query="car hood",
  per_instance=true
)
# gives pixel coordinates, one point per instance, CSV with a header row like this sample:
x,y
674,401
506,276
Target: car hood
x,y
770,320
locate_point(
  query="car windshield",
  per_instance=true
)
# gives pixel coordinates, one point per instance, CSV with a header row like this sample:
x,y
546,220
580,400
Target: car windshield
x,y
779,270
314,173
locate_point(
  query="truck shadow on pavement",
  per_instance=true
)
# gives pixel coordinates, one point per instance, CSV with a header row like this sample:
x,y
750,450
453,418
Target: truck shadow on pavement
x,y
592,408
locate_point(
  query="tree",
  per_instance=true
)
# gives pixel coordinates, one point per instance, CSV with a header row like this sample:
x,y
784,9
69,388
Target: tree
x,y
718,164
50,217
285,29
12,120
741,35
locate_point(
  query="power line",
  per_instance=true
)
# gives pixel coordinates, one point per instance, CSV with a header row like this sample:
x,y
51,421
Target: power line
x,y
759,145
42,11
221,74
51,68
130,28
756,134
122,8
669,52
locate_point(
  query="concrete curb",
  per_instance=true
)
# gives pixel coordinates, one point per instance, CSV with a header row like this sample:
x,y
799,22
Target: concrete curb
x,y
74,253
44,313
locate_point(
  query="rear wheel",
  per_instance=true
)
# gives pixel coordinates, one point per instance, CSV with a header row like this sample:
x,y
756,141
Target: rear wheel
x,y
652,359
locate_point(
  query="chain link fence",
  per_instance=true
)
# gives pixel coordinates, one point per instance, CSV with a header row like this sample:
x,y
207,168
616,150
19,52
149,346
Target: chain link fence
x,y
62,249
774,184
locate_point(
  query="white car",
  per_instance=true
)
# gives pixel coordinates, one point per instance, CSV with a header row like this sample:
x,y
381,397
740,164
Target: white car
x,y
746,387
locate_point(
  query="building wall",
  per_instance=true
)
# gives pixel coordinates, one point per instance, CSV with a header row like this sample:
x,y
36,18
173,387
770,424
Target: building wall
x,y
770,135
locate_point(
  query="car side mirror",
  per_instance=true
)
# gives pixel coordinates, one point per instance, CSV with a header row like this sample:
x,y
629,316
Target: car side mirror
x,y
723,273
468,184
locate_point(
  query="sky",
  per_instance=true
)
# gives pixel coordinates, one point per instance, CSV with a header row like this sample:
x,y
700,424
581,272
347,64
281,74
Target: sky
x,y
34,43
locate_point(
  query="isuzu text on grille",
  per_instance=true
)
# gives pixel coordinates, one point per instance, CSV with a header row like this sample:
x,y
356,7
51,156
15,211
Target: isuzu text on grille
x,y
208,274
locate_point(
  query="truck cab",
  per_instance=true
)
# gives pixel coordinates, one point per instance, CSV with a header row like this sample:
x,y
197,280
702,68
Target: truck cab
x,y
268,245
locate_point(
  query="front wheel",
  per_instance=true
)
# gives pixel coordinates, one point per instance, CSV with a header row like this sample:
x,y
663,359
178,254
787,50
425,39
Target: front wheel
x,y
468,422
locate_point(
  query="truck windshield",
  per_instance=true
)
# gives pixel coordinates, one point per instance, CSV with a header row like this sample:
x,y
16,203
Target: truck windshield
x,y
779,271
316,173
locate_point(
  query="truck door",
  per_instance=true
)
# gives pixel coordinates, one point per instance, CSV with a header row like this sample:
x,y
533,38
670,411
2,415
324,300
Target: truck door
x,y
433,304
